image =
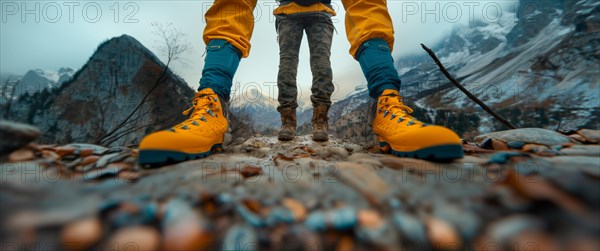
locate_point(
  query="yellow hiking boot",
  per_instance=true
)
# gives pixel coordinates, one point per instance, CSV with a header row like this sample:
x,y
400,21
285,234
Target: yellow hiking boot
x,y
404,136
193,138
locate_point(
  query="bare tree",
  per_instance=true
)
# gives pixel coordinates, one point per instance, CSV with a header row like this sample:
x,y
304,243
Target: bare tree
x,y
174,45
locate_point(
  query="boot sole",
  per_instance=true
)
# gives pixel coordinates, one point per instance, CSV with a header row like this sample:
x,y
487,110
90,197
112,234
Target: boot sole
x,y
155,158
441,153
320,137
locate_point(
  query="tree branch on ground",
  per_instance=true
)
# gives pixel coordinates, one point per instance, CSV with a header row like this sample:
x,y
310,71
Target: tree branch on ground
x,y
465,91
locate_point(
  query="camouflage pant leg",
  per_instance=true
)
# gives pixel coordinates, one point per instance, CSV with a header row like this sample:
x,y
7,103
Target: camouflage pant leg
x,y
289,34
319,32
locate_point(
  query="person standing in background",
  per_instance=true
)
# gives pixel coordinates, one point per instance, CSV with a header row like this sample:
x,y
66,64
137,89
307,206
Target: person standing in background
x,y
293,18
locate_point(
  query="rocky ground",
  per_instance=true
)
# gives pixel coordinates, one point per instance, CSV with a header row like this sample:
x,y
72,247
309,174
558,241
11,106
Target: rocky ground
x,y
525,189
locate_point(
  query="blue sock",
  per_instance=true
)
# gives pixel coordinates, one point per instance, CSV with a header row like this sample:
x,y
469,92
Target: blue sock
x,y
375,58
221,63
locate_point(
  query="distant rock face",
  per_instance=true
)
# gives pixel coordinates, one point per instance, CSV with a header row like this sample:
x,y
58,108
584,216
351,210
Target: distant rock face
x,y
536,66
103,93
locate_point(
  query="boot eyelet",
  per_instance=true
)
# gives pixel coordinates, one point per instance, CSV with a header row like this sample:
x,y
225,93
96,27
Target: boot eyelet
x,y
195,123
385,113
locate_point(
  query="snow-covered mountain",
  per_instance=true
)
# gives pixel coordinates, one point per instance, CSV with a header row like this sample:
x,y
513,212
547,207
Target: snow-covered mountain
x,y
537,68
99,103
36,80
263,109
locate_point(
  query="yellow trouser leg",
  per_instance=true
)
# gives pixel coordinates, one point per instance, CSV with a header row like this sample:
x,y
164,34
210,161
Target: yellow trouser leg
x,y
231,20
366,20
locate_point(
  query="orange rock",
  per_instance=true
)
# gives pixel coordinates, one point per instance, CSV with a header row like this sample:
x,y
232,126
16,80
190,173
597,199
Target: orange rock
x,y
297,209
127,175
51,155
89,160
183,228
442,235
253,205
534,148
86,152
135,238
24,154
64,150
82,234
577,137
369,219
591,136
185,235
499,145
346,243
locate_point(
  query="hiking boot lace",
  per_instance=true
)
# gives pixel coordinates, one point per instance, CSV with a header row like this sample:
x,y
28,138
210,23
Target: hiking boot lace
x,y
393,106
203,105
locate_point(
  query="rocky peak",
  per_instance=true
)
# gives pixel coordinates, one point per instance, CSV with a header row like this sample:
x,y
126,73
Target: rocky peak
x,y
106,91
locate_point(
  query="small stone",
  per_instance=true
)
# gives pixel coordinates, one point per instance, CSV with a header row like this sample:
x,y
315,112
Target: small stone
x,y
499,145
89,160
237,141
369,219
250,171
582,150
504,157
15,136
486,144
503,230
578,138
534,148
82,234
340,219
592,136
298,210
135,238
411,227
130,176
363,180
240,237
86,152
182,228
515,144
20,155
65,150
106,159
339,152
527,135
442,235
87,148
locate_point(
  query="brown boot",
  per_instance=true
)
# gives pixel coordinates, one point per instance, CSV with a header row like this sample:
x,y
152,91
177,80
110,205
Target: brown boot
x,y
288,124
319,123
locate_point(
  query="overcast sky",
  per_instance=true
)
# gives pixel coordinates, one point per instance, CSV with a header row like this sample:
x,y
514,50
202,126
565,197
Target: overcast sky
x,y
67,33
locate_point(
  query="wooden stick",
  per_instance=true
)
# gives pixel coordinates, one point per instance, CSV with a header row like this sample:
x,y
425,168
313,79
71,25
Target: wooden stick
x,y
464,90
